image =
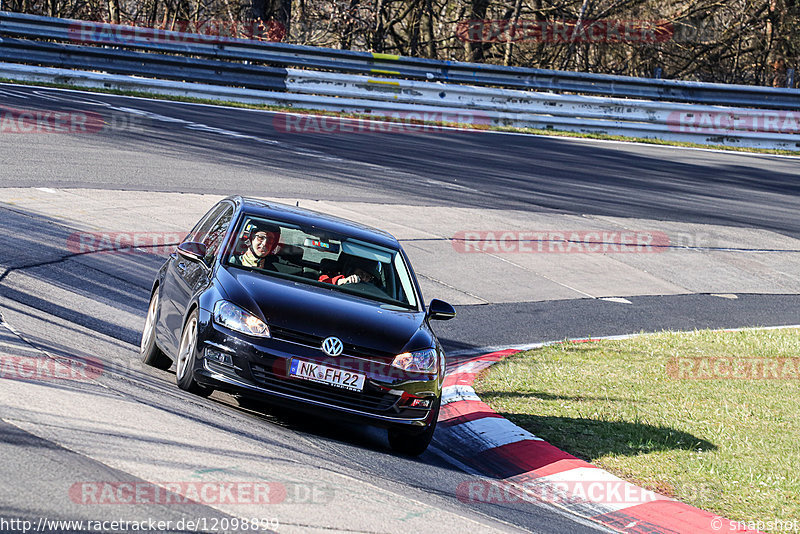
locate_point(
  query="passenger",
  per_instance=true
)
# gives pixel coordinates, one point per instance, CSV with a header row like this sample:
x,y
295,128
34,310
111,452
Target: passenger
x,y
357,270
261,244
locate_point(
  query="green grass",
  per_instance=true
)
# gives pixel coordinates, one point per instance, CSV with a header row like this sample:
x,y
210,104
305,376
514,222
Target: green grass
x,y
730,446
289,109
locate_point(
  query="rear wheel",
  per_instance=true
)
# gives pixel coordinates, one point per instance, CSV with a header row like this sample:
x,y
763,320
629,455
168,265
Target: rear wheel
x,y
148,350
187,356
412,443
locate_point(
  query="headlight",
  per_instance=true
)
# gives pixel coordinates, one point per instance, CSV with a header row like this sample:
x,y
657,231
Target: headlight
x,y
231,316
423,361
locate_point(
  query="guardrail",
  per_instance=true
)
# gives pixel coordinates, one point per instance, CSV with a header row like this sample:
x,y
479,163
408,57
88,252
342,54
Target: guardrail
x,y
35,27
170,67
241,69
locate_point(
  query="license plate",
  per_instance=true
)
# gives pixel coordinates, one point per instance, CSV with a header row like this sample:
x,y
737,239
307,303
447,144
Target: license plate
x,y
316,372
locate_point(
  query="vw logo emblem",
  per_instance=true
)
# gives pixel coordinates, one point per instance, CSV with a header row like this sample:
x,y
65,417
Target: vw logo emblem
x,y
332,346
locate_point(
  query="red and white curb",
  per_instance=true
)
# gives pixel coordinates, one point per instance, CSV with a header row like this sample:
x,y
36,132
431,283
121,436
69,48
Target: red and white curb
x,y
524,467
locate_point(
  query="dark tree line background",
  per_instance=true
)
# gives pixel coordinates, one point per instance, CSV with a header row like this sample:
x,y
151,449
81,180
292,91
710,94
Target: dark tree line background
x,y
731,41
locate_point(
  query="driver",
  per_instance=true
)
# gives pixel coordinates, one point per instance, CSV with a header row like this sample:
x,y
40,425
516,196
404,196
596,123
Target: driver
x,y
357,270
261,244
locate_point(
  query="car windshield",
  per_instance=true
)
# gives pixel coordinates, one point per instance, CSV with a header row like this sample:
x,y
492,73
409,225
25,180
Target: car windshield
x,y
323,259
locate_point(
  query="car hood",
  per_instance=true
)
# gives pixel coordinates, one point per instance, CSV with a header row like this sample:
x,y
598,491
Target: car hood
x,y
322,312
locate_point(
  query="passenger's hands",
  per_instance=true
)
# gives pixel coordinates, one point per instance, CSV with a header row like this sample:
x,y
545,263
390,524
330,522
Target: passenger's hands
x,y
352,279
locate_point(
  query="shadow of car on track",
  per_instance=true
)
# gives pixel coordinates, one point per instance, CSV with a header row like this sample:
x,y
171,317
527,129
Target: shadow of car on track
x,y
339,433
345,432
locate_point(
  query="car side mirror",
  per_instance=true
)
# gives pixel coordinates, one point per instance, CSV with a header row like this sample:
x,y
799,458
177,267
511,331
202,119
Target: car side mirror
x,y
439,310
193,251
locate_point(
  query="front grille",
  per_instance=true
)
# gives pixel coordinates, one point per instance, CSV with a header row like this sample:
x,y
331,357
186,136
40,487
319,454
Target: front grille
x,y
370,400
312,341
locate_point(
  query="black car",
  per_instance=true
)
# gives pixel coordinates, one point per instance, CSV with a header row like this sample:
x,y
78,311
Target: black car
x,y
277,303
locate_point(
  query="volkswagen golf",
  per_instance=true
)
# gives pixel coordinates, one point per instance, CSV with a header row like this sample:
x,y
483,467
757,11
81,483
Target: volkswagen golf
x,y
277,303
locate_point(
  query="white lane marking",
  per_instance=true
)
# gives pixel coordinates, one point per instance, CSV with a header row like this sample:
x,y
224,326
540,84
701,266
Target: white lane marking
x,y
318,155
13,94
458,393
150,115
59,98
197,126
47,190
619,300
491,432
730,296
449,185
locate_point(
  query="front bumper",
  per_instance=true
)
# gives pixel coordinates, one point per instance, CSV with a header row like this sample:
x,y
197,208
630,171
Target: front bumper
x,y
258,369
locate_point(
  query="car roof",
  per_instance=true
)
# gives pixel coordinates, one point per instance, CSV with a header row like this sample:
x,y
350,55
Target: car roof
x,y
307,217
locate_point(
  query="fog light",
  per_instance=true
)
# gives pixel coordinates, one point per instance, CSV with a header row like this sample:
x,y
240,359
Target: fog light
x,y
219,357
420,403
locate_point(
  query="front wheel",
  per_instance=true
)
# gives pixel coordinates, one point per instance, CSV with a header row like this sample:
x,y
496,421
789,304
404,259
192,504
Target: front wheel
x,y
187,356
148,350
411,443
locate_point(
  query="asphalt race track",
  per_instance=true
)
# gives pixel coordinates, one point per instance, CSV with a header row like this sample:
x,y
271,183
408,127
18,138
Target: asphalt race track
x,y
160,165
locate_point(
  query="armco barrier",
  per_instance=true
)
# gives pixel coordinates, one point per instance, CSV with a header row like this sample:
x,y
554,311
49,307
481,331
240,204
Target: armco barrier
x,y
625,122
141,64
35,27
237,69
613,116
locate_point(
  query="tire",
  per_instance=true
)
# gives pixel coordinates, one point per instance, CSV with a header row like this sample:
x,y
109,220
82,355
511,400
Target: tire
x,y
187,356
412,443
148,350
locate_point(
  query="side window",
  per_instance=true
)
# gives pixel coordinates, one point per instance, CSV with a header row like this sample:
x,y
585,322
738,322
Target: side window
x,y
216,232
201,229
